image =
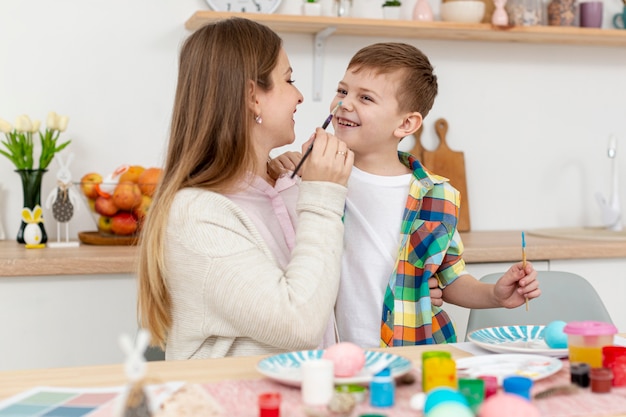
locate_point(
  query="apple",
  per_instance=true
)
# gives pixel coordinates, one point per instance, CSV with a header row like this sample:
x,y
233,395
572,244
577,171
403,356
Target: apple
x,y
105,206
104,224
127,195
89,184
124,224
132,173
142,209
149,179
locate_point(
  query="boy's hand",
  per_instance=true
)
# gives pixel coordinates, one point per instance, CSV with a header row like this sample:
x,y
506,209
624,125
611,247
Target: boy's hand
x,y
436,295
285,162
516,285
330,159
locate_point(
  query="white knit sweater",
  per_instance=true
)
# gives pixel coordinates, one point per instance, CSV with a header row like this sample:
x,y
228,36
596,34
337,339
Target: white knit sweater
x,y
230,297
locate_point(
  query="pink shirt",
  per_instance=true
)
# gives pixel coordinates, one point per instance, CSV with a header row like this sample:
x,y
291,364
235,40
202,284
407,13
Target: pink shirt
x,y
273,212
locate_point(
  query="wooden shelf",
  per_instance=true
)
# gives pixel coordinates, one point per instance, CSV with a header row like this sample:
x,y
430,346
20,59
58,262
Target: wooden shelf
x,y
423,30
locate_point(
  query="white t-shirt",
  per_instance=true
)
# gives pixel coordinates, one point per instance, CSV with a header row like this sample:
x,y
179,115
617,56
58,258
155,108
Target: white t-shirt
x,y
373,219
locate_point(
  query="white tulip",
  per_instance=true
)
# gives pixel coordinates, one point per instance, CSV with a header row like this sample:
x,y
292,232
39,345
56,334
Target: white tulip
x,y
23,124
52,121
62,123
5,127
36,125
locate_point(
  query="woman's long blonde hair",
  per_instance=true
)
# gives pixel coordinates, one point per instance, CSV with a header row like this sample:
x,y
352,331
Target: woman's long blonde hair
x,y
210,145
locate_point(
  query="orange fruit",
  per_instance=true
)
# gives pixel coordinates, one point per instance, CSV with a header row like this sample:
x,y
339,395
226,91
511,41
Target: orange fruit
x,y
149,179
132,173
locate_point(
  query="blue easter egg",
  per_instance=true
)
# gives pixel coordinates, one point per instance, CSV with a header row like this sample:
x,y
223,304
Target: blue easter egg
x,y
441,395
554,335
452,409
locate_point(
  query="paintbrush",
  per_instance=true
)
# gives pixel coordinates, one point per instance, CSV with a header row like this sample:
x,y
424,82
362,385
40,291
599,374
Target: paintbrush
x,y
524,260
310,148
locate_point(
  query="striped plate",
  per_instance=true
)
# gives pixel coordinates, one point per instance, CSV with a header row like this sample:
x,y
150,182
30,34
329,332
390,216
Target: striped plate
x,y
285,367
515,339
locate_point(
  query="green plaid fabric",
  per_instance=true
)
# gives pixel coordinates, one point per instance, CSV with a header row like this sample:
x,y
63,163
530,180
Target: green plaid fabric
x,y
430,246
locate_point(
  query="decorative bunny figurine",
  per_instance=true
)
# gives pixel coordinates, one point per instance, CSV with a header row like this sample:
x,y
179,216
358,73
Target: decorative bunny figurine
x,y
136,401
63,199
32,231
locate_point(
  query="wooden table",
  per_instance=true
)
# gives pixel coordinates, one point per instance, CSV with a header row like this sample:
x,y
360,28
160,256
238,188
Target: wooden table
x,y
194,371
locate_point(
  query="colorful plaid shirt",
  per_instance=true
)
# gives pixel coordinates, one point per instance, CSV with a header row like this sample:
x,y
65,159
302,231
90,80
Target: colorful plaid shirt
x,y
430,246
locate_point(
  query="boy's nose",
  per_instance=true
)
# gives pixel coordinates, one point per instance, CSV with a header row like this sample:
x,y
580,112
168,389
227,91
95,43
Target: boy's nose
x,y
345,105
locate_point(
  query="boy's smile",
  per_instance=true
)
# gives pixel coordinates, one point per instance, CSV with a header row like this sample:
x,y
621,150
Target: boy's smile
x,y
369,120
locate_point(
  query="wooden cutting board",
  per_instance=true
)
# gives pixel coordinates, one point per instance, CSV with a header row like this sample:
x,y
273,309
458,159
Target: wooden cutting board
x,y
447,163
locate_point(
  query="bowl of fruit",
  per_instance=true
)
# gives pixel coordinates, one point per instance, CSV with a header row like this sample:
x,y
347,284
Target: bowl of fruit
x,y
118,203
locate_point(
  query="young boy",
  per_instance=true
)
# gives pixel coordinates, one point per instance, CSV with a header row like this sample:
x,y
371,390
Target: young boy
x,y
393,243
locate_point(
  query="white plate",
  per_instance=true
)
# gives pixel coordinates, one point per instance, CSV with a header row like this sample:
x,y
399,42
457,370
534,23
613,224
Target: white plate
x,y
515,339
502,365
285,367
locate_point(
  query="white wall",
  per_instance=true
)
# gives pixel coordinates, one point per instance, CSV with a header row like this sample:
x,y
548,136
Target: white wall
x,y
533,120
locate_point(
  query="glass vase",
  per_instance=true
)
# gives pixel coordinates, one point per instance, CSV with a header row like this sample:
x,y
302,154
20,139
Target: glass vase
x,y
31,190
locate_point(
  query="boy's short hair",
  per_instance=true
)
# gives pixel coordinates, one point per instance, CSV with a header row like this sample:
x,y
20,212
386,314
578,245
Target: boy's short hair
x,y
418,87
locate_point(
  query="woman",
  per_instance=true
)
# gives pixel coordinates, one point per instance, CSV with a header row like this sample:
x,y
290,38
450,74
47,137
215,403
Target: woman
x,y
222,271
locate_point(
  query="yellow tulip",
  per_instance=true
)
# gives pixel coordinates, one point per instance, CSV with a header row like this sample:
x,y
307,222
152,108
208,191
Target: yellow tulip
x,y
5,127
36,125
23,124
62,123
51,122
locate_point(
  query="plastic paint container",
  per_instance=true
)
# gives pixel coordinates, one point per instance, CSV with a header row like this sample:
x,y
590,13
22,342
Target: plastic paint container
x,y
438,370
518,385
474,392
382,389
491,384
269,404
585,340
601,380
614,358
579,374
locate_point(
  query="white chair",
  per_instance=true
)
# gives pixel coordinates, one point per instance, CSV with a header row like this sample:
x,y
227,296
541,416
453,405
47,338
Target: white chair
x,y
564,296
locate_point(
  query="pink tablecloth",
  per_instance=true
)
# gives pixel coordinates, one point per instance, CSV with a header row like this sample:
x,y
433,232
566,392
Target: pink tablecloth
x,y
239,398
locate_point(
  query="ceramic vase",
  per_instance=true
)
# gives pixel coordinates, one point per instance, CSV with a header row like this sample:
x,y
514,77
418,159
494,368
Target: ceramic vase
x,y
422,11
499,16
391,12
31,190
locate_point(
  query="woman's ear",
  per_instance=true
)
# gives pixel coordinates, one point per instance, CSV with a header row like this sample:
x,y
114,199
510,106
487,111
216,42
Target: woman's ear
x,y
410,124
253,103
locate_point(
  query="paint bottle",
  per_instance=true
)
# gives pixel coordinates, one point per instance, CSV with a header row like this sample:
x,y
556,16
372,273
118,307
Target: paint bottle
x,y
579,373
601,380
438,370
382,389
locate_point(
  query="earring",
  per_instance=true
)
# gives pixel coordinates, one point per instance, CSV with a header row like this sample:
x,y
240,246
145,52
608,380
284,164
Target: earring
x,y
258,119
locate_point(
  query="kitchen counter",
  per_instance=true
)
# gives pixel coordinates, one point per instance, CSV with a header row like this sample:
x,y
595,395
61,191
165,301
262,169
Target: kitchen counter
x,y
480,247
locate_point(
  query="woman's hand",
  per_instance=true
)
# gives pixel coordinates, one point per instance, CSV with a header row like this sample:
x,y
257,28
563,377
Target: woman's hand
x,y
330,159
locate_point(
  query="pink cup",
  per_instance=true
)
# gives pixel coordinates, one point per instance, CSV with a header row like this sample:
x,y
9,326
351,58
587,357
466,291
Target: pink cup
x,y
591,14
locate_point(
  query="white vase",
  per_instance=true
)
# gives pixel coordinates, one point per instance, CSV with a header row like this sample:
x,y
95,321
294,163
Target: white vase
x,y
311,9
391,12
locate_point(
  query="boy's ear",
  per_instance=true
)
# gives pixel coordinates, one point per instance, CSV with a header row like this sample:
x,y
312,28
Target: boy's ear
x,y
410,124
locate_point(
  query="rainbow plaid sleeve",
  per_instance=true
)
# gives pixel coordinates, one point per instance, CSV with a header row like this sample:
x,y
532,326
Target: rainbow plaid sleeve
x,y
430,246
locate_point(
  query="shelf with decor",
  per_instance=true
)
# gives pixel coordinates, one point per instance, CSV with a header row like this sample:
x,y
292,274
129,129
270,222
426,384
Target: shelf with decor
x,y
323,26
423,30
